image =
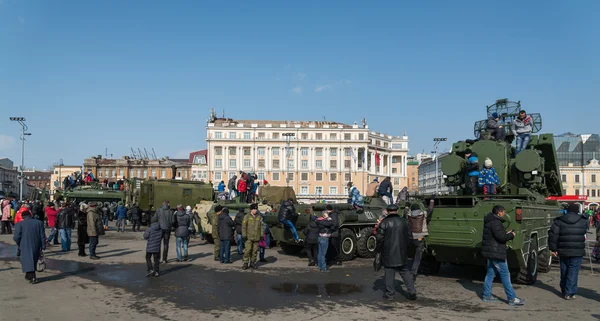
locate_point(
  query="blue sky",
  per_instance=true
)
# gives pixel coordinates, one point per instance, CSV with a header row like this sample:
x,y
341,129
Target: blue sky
x,y
91,75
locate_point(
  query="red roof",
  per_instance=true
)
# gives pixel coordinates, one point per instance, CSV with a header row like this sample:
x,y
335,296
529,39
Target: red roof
x,y
200,152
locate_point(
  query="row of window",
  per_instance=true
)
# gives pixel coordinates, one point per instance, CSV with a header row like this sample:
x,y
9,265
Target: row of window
x,y
577,178
39,177
290,164
304,136
590,192
288,150
135,173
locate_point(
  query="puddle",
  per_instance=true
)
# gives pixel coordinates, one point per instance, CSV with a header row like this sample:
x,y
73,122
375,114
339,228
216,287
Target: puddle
x,y
8,251
313,289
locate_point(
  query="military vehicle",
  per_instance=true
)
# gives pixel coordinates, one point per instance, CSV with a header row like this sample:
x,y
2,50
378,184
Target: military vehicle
x,y
356,227
526,180
90,193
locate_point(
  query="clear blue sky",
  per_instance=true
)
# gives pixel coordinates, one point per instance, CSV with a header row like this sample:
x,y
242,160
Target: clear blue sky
x,y
90,75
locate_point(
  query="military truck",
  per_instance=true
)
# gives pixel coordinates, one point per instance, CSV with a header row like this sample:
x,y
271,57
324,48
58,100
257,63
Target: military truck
x,y
356,227
526,180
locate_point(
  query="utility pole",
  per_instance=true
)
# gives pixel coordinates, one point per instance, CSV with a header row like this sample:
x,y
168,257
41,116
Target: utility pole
x,y
21,121
435,144
287,156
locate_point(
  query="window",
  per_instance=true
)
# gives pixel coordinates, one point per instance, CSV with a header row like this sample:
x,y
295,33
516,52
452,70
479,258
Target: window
x,y
246,135
319,164
347,163
290,176
163,174
333,177
333,164
289,151
122,173
178,173
275,151
333,190
304,164
397,181
145,173
153,173
232,163
593,178
246,151
261,151
332,136
232,135
261,163
218,176
564,178
290,164
394,171
319,151
304,136
232,151
139,173
304,190
361,136
55,172
261,135
275,163
261,177
577,192
347,177
347,136
577,179
304,151
218,135
275,176
304,177
218,151
275,135
564,192
246,163
593,193
347,151
318,136
588,193
318,177
318,190
333,152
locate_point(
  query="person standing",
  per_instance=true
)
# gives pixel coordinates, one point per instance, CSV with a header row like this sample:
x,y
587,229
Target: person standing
x,y
335,240
51,215
393,238
239,219
488,178
82,236
134,213
522,127
5,213
472,171
65,222
253,233
105,214
325,225
311,233
182,232
231,186
567,241
287,215
221,187
94,228
226,226
121,217
213,220
165,218
417,221
494,250
386,189
30,238
153,235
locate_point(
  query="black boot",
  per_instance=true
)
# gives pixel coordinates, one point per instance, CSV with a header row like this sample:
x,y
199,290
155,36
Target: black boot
x,y
245,266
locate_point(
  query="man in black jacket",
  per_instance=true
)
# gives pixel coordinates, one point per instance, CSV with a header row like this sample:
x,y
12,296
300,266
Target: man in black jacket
x,y
567,241
226,226
287,216
164,217
134,215
65,222
393,238
239,219
335,240
494,250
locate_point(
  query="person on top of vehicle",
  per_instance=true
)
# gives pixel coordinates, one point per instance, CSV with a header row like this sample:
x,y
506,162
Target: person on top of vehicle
x,y
372,187
472,171
287,215
522,128
494,128
488,178
386,189
354,197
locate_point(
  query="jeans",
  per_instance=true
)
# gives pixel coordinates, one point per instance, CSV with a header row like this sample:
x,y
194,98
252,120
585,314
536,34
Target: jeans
x,y
389,195
240,244
166,237
53,235
498,267
390,278
152,267
268,237
522,141
569,272
121,225
224,251
181,242
93,244
65,239
105,220
323,245
292,228
419,245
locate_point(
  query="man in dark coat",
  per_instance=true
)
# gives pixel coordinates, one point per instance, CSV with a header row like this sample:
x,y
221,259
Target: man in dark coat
x,y
226,226
82,236
165,218
239,218
231,186
393,238
335,240
134,214
65,222
153,235
494,250
31,239
567,241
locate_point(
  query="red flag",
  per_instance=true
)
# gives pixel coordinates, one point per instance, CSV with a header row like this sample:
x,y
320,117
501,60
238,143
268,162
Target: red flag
x,y
377,158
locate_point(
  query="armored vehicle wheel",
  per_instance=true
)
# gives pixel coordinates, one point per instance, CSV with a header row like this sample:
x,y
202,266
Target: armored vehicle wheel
x,y
545,261
290,249
366,243
429,265
528,275
210,239
348,246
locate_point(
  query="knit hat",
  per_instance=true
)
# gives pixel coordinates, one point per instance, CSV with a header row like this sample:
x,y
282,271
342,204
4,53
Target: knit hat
x,y
376,180
188,208
494,115
253,206
468,151
488,162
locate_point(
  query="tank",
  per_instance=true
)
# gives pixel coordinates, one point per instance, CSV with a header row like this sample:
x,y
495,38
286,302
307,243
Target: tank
x,y
526,180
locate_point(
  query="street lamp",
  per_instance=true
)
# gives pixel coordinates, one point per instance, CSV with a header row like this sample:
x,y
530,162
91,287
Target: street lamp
x,y
436,143
287,155
21,121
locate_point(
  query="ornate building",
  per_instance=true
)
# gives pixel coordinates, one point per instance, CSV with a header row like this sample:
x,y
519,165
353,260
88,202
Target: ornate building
x,y
126,167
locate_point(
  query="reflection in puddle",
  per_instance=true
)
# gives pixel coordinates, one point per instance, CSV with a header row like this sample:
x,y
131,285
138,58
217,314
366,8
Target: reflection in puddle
x,y
329,289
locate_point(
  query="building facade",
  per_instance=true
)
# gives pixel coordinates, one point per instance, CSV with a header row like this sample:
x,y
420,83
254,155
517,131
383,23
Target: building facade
x,y
199,163
579,166
412,167
9,178
427,176
126,167
58,175
38,179
317,159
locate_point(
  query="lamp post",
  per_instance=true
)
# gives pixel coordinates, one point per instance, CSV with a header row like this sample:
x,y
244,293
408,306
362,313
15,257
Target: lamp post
x,y
287,155
435,144
21,121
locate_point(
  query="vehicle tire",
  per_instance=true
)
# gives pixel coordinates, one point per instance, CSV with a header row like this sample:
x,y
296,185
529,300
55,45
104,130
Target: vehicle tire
x,y
545,261
348,245
210,239
291,249
366,243
429,265
528,275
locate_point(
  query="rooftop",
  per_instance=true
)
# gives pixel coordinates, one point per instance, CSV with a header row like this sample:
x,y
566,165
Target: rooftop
x,y
228,122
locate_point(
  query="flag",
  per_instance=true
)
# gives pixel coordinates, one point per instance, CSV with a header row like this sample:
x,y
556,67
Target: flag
x,y
353,155
377,158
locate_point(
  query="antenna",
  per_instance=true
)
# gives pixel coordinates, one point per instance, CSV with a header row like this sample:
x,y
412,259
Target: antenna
x,y
154,154
133,153
223,113
146,153
140,153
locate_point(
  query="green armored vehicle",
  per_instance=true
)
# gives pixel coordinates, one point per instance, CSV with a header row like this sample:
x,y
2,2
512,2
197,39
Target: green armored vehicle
x,y
526,180
90,193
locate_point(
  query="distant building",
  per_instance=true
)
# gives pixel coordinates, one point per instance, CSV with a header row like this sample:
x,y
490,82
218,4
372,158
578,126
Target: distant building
x,y
126,167
58,175
199,163
9,178
38,179
413,176
427,176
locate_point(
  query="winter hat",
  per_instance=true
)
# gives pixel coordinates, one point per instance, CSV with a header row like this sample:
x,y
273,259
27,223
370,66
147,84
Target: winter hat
x,y
253,206
488,162
494,115
468,151
376,180
188,208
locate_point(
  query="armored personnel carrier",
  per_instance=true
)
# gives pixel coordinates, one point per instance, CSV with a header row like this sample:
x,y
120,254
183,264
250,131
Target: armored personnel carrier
x,y
90,193
526,180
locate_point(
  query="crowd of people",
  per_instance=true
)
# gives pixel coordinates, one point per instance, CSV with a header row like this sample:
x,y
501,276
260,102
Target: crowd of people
x,y
247,187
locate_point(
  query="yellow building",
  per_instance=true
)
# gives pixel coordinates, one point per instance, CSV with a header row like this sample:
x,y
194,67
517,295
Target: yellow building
x,y
584,181
316,158
58,175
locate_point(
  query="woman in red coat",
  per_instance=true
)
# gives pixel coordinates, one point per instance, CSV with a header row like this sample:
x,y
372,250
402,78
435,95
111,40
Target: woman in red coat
x,y
242,189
